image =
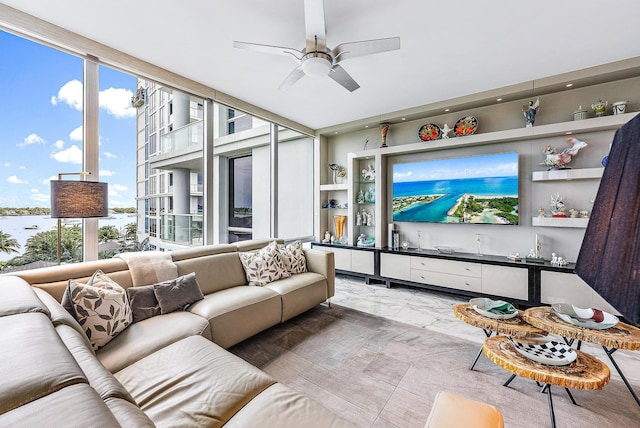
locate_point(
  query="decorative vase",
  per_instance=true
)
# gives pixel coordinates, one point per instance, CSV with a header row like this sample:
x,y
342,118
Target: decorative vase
x,y
384,128
339,221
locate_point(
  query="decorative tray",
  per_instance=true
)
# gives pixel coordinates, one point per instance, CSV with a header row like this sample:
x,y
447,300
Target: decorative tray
x,y
584,317
550,353
429,131
496,309
466,125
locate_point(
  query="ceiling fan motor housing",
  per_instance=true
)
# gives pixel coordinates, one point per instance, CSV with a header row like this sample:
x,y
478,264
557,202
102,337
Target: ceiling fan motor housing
x,y
317,64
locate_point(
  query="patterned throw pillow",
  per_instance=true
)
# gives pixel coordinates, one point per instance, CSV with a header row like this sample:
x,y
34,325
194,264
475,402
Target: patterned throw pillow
x,y
293,257
101,307
264,266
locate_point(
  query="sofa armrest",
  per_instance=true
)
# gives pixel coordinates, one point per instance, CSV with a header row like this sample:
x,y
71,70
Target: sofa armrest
x,y
322,262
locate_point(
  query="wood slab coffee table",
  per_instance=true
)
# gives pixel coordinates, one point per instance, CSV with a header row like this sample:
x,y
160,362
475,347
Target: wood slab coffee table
x,y
620,336
515,326
586,372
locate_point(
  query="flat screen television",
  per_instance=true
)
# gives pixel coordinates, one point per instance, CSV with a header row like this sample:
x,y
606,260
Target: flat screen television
x,y
474,189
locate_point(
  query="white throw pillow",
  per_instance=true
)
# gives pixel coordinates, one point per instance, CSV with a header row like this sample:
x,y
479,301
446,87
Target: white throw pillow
x,y
293,257
263,266
101,307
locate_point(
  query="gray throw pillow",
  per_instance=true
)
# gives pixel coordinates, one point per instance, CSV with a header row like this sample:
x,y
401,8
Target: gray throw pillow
x,y
177,294
143,302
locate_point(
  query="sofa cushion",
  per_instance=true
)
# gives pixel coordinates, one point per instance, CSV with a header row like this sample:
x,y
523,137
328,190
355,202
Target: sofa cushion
x,y
143,302
263,266
127,414
300,293
177,294
282,407
145,337
74,405
35,362
101,307
193,382
215,272
293,257
239,312
18,297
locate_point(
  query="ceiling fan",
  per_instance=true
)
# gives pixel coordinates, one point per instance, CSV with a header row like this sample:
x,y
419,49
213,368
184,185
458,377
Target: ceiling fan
x,y
316,59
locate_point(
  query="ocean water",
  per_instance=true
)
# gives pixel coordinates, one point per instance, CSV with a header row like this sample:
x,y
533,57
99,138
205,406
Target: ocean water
x,y
15,226
452,190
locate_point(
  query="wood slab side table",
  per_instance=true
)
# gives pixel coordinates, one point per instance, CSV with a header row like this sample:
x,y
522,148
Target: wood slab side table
x,y
515,326
620,336
586,372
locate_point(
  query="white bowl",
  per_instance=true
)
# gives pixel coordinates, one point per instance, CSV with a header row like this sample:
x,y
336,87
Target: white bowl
x,y
572,315
483,305
550,353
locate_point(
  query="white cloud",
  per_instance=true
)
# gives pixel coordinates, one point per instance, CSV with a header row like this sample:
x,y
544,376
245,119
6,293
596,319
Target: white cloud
x,y
109,155
7,164
39,197
76,134
46,181
401,176
15,180
59,144
115,189
22,168
71,155
71,94
106,173
32,139
117,102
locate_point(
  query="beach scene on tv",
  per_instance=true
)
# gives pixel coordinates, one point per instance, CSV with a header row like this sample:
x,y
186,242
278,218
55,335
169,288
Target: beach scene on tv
x,y
476,189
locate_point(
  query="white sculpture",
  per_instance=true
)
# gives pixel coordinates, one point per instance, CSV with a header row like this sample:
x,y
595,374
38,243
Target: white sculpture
x,y
369,174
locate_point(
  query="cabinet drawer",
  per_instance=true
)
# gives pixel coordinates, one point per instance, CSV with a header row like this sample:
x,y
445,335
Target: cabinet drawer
x,y
342,258
459,282
505,281
447,266
362,262
395,266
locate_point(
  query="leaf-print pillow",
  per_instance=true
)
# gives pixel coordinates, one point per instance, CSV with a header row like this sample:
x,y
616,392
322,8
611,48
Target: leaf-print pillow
x,y
263,266
293,257
101,307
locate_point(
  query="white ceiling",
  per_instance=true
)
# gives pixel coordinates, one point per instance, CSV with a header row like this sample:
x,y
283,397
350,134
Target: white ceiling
x,y
448,48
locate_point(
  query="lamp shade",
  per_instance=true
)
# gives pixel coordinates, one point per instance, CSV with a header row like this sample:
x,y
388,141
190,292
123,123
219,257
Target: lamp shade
x,y
78,199
609,257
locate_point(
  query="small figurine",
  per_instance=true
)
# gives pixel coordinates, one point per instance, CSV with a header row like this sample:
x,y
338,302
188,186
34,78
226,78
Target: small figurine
x,y
360,197
327,237
445,131
384,128
557,206
530,112
358,219
369,174
573,213
560,160
542,212
584,213
600,107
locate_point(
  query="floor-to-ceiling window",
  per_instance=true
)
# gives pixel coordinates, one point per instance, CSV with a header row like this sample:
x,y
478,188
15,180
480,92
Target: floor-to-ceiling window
x,y
240,198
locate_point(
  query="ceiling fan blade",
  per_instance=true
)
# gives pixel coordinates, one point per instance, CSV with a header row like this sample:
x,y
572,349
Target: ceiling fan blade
x,y
268,49
314,25
292,78
367,47
341,76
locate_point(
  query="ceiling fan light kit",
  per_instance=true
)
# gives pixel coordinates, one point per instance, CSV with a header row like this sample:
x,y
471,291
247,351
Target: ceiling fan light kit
x,y
316,59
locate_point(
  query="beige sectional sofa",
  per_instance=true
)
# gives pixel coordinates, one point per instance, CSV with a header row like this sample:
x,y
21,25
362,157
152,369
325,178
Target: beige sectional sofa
x,y
168,370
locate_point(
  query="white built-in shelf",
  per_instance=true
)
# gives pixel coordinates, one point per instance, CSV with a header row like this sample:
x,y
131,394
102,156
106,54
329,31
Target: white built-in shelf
x,y
518,134
560,222
568,174
332,187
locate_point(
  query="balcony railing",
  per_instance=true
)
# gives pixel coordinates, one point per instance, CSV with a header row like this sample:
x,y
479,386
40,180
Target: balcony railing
x,y
183,229
137,100
191,135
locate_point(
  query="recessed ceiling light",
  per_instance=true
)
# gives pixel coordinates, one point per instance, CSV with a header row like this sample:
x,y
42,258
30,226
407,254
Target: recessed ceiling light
x,y
404,118
366,126
336,132
569,85
498,99
446,109
568,133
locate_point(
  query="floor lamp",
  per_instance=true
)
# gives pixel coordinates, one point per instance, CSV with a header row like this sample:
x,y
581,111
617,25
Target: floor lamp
x,y
609,258
77,199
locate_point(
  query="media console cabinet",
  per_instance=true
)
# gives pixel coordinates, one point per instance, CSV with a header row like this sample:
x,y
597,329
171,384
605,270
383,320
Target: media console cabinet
x,y
466,274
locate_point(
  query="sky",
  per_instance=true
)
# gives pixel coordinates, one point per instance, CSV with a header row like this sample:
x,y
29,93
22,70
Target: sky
x,y
495,165
41,124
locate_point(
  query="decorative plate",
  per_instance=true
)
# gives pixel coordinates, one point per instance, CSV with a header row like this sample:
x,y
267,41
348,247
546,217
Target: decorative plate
x,y
496,309
550,353
587,318
429,131
465,126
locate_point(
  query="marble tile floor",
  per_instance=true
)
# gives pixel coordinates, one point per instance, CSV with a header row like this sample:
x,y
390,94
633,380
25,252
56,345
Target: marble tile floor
x,y
434,311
